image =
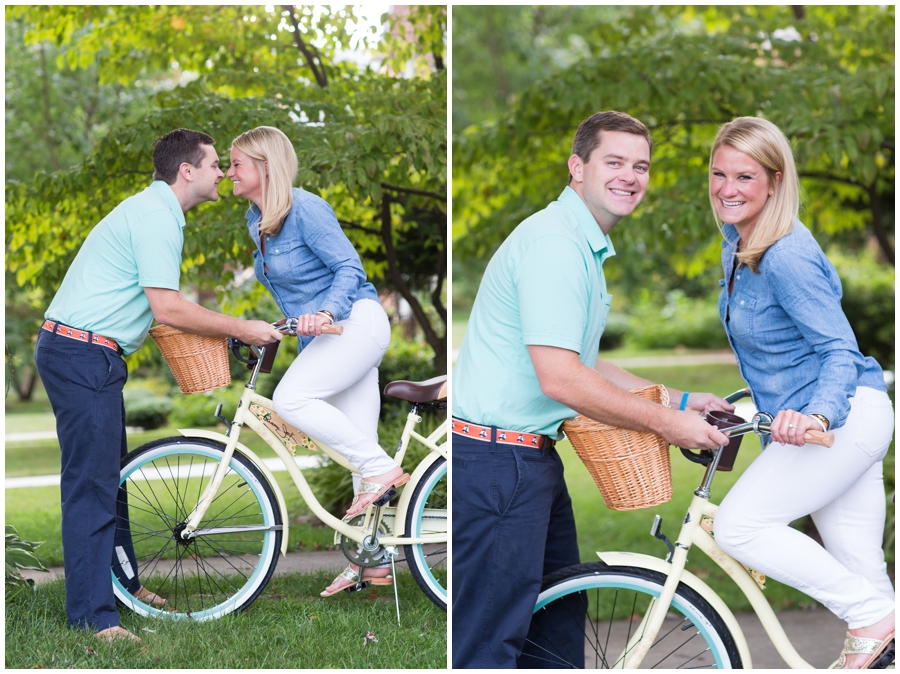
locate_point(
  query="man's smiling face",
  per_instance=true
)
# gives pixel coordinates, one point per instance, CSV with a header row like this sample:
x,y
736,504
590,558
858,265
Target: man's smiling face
x,y
614,179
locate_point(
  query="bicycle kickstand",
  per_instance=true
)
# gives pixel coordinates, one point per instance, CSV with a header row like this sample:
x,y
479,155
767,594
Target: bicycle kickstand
x,y
392,552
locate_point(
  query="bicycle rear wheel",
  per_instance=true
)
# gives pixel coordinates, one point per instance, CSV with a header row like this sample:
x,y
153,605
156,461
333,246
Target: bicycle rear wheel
x,y
427,514
588,616
227,564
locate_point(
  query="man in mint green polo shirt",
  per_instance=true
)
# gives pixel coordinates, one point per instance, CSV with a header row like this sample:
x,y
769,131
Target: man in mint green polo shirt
x,y
126,273
527,363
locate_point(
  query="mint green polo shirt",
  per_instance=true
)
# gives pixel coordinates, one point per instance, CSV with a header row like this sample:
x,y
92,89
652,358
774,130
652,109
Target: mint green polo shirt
x,y
544,286
138,245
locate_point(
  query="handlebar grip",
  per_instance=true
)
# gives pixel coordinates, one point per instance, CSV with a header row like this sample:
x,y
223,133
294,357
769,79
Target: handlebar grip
x,y
819,438
331,329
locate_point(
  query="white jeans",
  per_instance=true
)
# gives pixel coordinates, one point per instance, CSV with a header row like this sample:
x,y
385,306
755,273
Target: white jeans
x,y
843,489
331,392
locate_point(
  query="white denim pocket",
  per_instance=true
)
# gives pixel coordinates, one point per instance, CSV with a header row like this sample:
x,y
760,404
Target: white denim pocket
x,y
877,421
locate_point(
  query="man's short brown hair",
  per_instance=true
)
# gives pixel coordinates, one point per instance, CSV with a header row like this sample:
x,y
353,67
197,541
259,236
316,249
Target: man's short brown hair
x,y
587,138
175,148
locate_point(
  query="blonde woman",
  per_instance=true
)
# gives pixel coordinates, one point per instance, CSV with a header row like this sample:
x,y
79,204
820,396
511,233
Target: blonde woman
x,y
313,272
781,307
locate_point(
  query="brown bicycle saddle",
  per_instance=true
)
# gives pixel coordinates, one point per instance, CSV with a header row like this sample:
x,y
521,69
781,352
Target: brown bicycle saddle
x,y
418,391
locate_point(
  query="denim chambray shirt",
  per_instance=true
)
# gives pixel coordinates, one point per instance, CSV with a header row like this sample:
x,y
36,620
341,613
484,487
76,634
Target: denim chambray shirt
x,y
793,343
312,264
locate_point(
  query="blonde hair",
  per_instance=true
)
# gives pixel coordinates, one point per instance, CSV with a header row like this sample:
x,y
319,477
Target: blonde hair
x,y
276,162
764,142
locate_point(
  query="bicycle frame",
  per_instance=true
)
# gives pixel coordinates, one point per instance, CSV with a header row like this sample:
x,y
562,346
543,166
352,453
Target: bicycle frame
x,y
244,417
692,534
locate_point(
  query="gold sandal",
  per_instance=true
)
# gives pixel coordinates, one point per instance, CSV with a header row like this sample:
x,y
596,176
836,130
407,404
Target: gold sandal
x,y
874,648
369,492
351,577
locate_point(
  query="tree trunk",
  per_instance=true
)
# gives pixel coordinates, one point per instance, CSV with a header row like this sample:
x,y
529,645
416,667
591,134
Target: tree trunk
x,y
878,227
437,342
24,385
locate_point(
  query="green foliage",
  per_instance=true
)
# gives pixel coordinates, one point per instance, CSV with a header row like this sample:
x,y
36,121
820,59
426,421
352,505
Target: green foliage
x,y
198,410
145,410
614,331
55,115
20,555
682,321
406,359
824,74
868,303
23,320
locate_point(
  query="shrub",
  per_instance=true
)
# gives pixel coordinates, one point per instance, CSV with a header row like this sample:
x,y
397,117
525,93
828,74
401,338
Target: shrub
x,y
868,303
146,410
198,409
614,332
682,321
412,360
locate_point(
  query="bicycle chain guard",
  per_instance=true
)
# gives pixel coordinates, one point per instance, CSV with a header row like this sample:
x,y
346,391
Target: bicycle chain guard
x,y
357,552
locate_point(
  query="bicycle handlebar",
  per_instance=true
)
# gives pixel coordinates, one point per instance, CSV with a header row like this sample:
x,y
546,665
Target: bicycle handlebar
x,y
760,427
288,326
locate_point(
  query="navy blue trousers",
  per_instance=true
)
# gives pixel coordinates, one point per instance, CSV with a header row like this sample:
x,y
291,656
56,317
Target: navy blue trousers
x,y
512,524
84,383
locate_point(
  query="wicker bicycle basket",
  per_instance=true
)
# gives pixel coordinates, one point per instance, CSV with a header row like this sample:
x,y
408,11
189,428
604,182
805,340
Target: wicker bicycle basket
x,y
198,363
631,468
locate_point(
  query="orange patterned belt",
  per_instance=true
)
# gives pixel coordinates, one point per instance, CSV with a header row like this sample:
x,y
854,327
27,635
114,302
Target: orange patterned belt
x,y
471,430
80,335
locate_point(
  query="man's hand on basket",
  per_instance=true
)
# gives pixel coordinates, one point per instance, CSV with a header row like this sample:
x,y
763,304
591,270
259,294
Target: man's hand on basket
x,y
689,430
258,333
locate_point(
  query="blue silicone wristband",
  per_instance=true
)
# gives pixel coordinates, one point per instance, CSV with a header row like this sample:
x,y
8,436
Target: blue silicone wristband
x,y
683,401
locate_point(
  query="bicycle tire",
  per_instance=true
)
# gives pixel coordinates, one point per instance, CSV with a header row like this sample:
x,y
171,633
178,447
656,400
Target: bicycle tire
x,y
600,607
213,574
427,513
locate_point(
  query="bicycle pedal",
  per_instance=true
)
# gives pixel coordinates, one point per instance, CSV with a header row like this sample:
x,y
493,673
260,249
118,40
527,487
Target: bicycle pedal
x,y
386,497
356,588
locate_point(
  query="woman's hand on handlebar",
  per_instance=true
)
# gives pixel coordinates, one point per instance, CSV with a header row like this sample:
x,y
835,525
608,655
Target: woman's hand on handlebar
x,y
310,325
789,427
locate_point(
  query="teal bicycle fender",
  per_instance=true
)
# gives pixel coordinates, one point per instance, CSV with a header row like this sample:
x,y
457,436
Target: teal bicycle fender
x,y
282,506
693,582
406,496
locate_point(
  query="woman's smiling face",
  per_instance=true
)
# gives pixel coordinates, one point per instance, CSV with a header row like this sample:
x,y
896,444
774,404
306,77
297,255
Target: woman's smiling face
x,y
245,177
739,187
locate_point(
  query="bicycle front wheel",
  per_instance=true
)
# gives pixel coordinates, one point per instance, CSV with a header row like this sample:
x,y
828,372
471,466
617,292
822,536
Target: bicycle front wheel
x,y
590,616
427,514
233,553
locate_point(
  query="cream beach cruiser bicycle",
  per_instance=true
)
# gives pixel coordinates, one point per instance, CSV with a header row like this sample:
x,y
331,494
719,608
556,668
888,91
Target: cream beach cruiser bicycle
x,y
208,519
630,611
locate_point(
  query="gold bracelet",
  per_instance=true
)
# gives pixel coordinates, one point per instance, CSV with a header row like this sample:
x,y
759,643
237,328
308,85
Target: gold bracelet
x,y
822,420
327,313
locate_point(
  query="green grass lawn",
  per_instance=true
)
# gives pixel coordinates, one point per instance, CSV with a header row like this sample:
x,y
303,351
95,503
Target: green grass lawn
x,y
288,627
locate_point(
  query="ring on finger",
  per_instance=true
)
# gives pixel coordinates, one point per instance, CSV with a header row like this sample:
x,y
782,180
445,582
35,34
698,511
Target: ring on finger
x,y
792,426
